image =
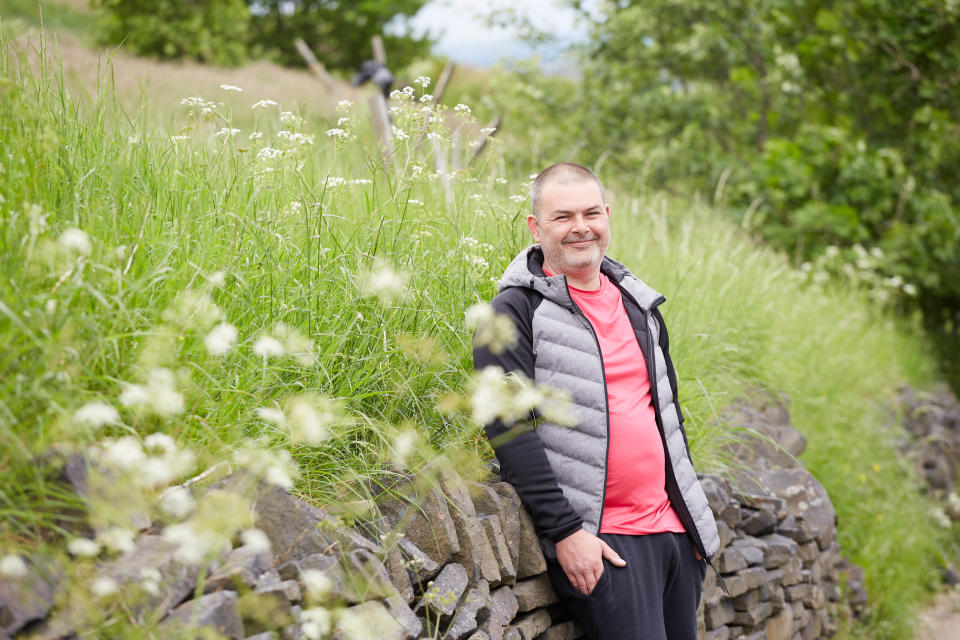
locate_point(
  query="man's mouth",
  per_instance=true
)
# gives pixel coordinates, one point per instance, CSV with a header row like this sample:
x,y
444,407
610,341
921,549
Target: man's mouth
x,y
582,242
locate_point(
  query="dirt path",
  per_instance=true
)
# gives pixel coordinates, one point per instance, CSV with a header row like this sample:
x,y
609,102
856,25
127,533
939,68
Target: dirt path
x,y
942,620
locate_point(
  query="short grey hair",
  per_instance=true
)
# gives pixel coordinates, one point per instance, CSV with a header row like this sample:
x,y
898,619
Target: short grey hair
x,y
564,172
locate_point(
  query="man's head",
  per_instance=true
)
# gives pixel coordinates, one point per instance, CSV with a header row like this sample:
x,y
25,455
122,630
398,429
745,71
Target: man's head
x,y
570,220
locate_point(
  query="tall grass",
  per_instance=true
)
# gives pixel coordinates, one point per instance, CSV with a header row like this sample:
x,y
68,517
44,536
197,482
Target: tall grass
x,y
177,223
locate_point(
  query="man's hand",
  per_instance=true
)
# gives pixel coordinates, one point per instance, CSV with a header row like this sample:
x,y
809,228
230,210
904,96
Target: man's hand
x,y
581,557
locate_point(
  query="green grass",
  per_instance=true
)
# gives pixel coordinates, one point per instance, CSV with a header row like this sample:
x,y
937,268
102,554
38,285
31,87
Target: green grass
x,y
52,15
166,216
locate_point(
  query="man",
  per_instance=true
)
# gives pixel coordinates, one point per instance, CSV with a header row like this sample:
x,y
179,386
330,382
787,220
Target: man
x,y
622,519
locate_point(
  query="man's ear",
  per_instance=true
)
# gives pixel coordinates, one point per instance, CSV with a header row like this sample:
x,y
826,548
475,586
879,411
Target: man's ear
x,y
608,209
534,227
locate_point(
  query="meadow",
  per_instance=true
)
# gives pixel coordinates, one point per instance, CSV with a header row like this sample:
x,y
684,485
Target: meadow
x,y
270,293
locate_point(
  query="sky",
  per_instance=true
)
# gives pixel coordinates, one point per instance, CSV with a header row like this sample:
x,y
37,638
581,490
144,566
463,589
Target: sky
x,y
464,36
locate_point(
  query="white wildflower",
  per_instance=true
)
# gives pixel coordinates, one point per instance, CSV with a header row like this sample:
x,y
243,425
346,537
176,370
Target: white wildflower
x,y
344,105
83,548
395,111
150,580
117,539
134,395
413,201
400,134
500,180
310,416
96,414
37,219
179,138
295,138
342,121
425,98
103,586
462,108
263,104
361,181
317,583
332,182
133,139
423,81
227,132
278,476
384,282
158,394
272,415
403,445
193,309
478,262
268,347
487,131
416,170
230,87
315,622
76,240
123,453
256,539
337,133
492,330
220,340
13,566
433,136
909,289
268,153
518,198
177,502
191,545
256,135
217,279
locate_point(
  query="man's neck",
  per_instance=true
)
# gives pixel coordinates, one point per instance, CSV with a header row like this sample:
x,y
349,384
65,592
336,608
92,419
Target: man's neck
x,y
585,280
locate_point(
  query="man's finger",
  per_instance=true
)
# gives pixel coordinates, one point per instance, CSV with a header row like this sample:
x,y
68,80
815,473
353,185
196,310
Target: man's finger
x,y
612,555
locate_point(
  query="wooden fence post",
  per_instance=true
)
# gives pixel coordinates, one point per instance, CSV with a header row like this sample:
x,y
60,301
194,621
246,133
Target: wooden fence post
x,y
381,126
316,66
495,126
442,82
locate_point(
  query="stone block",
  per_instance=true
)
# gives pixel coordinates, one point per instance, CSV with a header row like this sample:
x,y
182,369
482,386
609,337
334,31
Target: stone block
x,y
217,611
444,593
792,571
534,593
370,619
531,561
757,614
778,599
725,532
809,553
498,542
780,626
731,560
151,554
402,613
504,606
532,625
26,599
420,566
427,524
474,606
778,550
759,522
489,503
748,600
752,550
396,568
720,633
811,631
755,635
267,608
241,569
475,553
743,581
798,592
719,614
289,523
563,631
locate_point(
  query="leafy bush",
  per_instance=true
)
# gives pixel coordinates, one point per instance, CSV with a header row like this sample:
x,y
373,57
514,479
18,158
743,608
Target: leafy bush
x,y
213,31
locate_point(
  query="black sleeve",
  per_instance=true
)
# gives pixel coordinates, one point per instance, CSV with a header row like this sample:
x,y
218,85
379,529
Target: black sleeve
x,y
523,461
671,374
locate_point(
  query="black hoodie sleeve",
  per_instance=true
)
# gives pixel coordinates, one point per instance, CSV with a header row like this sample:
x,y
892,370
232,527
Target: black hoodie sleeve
x,y
523,461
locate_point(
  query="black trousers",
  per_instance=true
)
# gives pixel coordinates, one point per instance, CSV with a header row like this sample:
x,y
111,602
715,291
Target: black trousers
x,y
654,597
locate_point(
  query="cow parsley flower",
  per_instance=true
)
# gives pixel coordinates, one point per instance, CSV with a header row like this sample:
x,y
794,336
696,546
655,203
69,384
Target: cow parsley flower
x,y
227,132
423,81
344,105
255,539
117,539
384,283
13,566
220,340
462,108
492,330
268,347
337,133
315,622
96,414
263,104
103,586
83,548
76,240
272,415
177,502
230,87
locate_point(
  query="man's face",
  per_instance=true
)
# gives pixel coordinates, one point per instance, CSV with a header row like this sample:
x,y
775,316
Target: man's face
x,y
574,227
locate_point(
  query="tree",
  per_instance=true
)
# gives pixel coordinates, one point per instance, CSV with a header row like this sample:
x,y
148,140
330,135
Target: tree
x,y
338,31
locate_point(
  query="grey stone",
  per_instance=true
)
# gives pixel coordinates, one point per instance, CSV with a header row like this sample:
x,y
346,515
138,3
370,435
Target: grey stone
x,y
809,553
374,619
712,592
792,571
563,631
756,635
397,571
475,554
241,569
152,553
754,616
402,613
498,542
445,591
797,592
268,577
420,566
719,614
724,508
290,524
778,550
510,633
474,606
290,589
427,524
27,599
266,635
504,607
531,561
720,633
725,532
752,550
731,560
479,635
533,624
267,608
534,593
811,631
217,611
489,503
745,580
748,600
367,575
759,521
778,599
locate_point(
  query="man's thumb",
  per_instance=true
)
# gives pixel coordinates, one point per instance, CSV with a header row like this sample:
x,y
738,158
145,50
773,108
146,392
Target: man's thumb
x,y
612,555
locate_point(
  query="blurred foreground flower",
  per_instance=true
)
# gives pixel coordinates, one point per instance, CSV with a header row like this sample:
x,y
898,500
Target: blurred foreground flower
x,y
158,394
76,240
220,340
492,330
310,417
96,414
513,398
384,283
12,566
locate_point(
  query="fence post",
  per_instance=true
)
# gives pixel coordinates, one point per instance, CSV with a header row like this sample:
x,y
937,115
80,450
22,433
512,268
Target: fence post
x,y
316,66
495,125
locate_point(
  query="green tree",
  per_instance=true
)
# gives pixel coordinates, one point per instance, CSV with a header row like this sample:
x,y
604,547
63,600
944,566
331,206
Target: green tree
x,y
339,32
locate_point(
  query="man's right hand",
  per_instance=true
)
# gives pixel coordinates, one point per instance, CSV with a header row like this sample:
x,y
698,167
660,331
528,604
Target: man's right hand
x,y
581,556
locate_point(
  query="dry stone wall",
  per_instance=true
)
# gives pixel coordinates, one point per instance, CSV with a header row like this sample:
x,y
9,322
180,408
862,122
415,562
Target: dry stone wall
x,y
459,560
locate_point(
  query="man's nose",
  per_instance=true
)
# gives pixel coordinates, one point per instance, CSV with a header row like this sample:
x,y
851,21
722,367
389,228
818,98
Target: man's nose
x,y
580,225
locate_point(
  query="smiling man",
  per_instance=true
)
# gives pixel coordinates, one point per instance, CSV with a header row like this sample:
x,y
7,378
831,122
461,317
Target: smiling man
x,y
621,516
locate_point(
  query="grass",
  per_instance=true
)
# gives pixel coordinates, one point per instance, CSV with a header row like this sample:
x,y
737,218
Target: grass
x,y
176,224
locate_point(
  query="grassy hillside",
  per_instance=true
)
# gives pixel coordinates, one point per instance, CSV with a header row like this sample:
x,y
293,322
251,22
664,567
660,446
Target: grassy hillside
x,y
251,283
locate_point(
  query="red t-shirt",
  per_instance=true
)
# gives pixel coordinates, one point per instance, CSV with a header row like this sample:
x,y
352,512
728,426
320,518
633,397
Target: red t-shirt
x,y
636,500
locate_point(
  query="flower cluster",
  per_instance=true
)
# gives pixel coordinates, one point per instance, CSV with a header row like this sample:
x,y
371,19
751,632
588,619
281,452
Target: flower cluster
x,y
384,283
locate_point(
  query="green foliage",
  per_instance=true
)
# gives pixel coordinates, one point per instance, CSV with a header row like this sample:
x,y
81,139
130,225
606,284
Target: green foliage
x,y
338,32
212,31
829,125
